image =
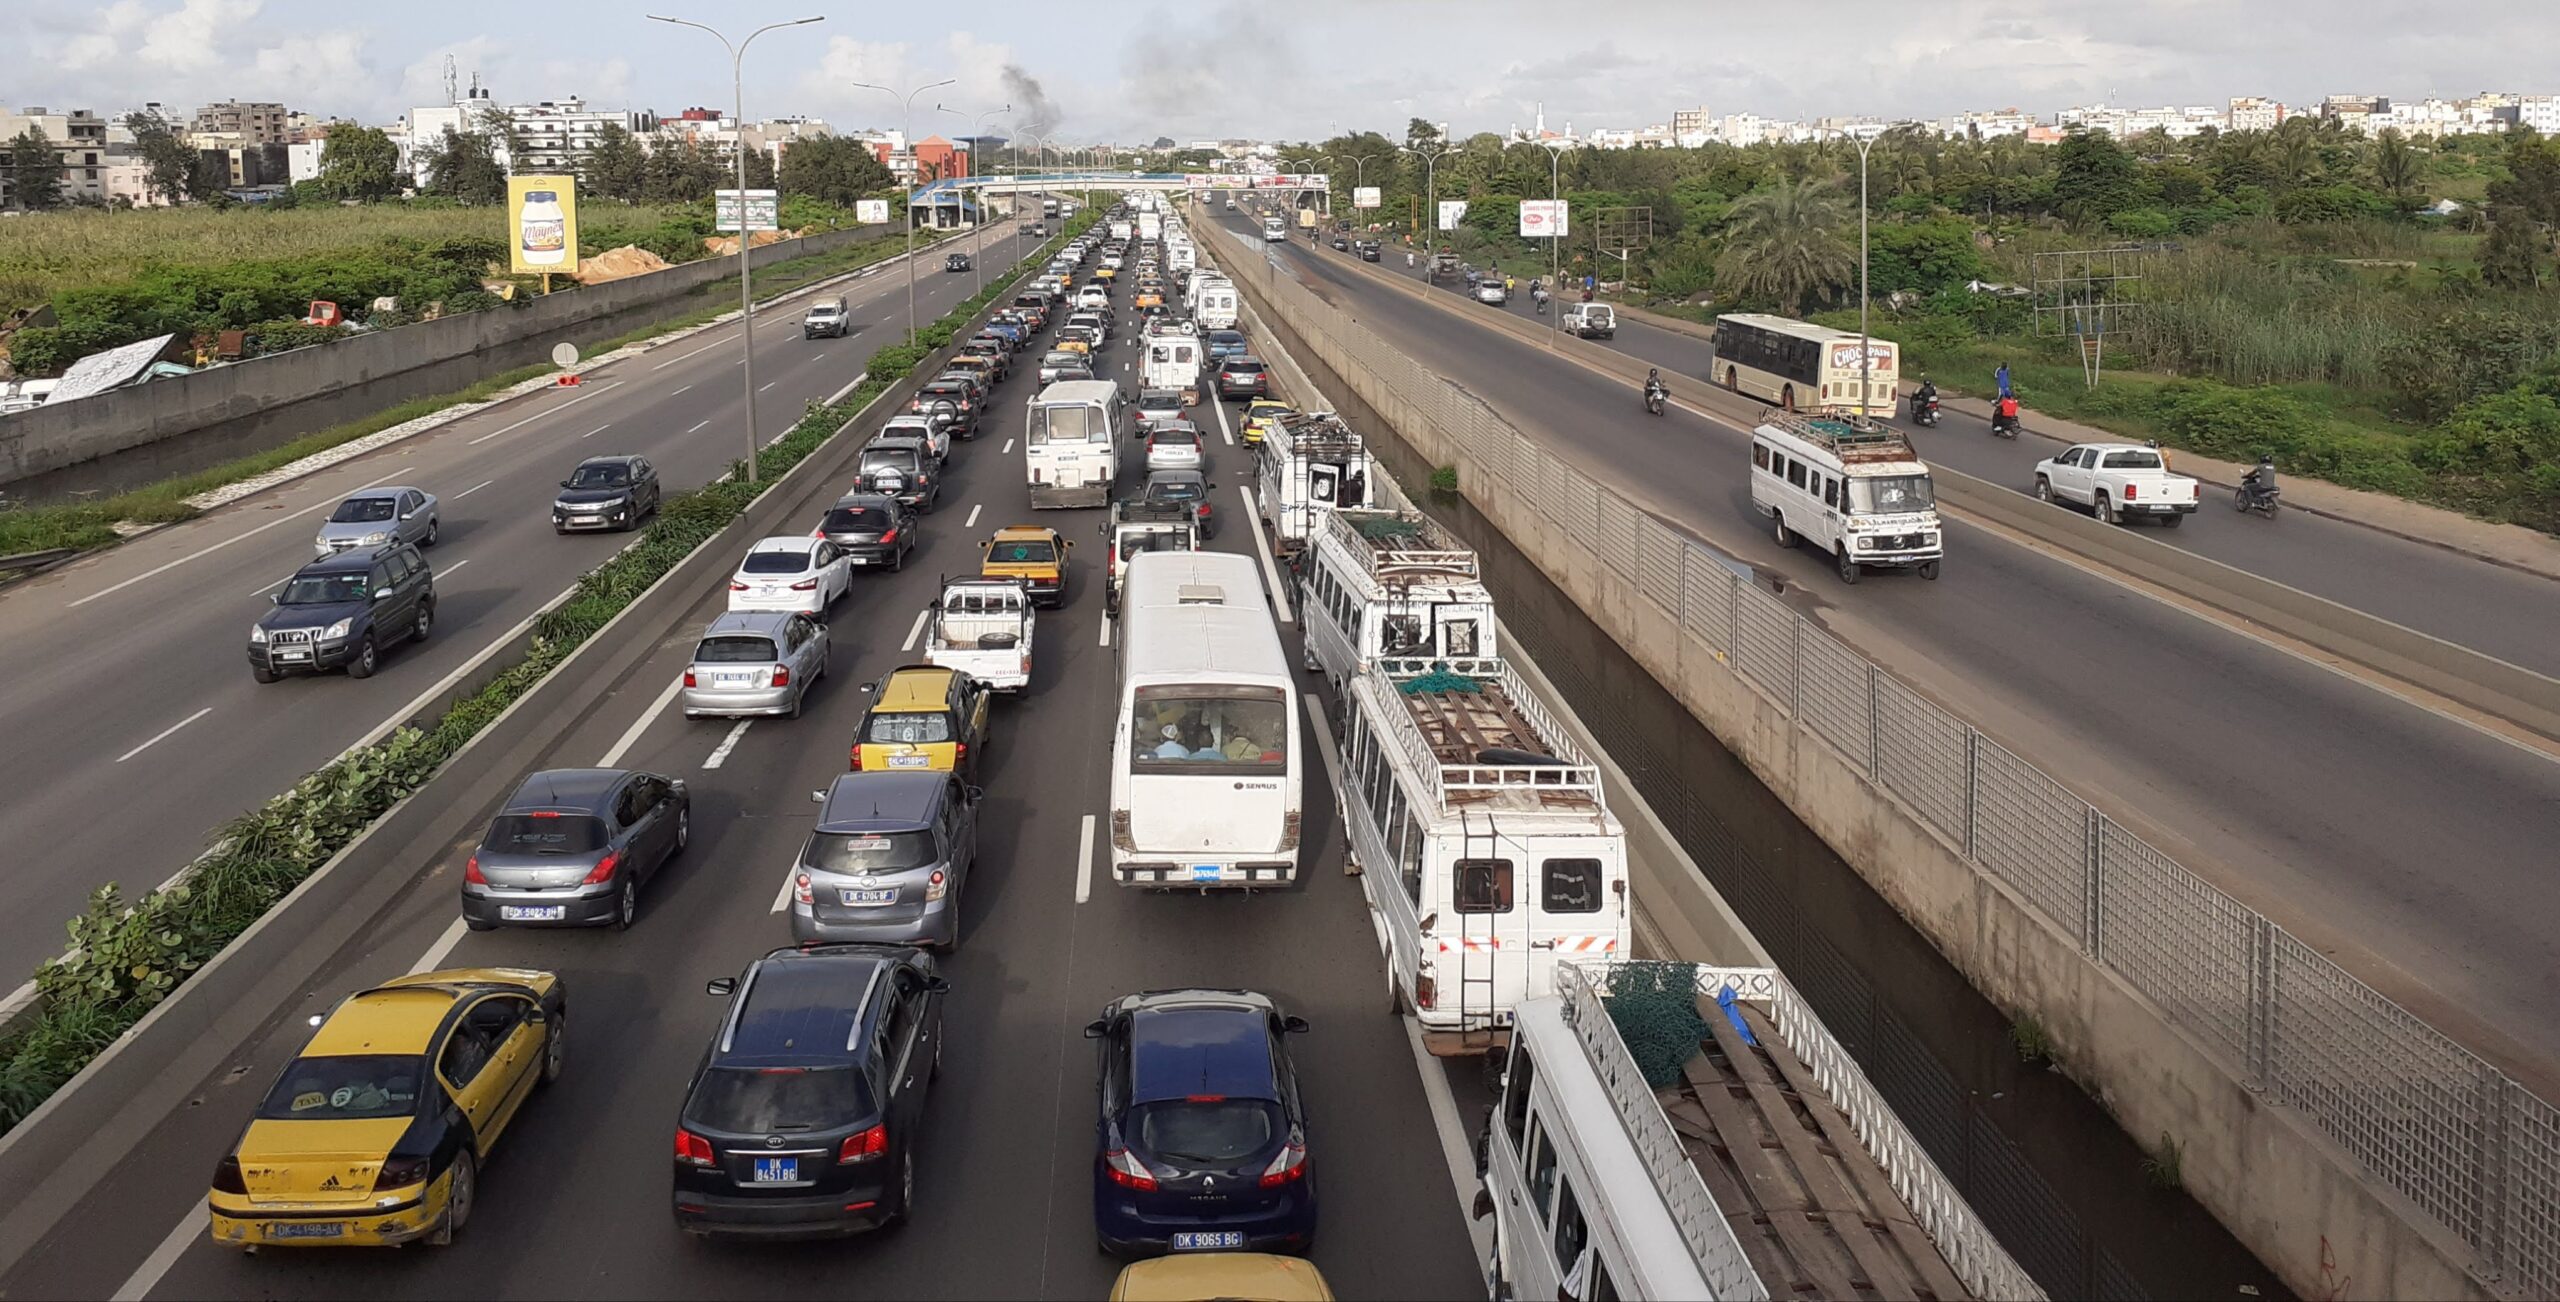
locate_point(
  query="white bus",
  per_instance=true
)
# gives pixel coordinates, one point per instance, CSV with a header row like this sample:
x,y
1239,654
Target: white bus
x,y
1067,443
1483,845
1391,587
1858,492
1275,228
1801,366
1205,762
1306,468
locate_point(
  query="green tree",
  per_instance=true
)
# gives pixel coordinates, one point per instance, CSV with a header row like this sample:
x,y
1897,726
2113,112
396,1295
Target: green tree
x,y
683,171
2399,170
614,164
1420,131
359,163
35,169
2512,256
760,174
1783,245
168,164
832,169
209,177
2094,178
464,165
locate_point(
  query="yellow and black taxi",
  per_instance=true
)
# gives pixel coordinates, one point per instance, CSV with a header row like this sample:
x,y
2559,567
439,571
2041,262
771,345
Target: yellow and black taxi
x,y
1258,417
1034,556
924,718
376,1132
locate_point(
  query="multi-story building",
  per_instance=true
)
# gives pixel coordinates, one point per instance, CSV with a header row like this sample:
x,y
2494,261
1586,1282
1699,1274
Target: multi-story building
x,y
257,123
127,181
1988,124
554,134
78,137
1697,122
424,128
2540,112
2253,113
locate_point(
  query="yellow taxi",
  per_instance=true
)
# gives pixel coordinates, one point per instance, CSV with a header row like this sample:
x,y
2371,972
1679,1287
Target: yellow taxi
x,y
1073,344
1034,556
375,1134
1207,1276
1258,417
1150,296
923,718
1106,275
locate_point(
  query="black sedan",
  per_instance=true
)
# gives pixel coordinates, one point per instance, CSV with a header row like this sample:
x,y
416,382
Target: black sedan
x,y
956,262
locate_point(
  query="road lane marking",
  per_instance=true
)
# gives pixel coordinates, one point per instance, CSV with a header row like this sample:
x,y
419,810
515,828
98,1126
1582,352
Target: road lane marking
x,y
917,631
679,390
544,412
1084,862
473,489
164,735
147,1276
782,898
272,586
698,428
1270,569
1008,447
722,343
720,753
438,952
597,430
849,386
972,521
1106,630
447,570
211,548
631,735
1220,407
767,385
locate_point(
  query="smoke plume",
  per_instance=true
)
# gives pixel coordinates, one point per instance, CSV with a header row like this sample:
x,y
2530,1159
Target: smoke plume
x,y
1034,113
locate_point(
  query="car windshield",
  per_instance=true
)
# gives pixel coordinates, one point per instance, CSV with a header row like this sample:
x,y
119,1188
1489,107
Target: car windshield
x,y
857,519
544,834
826,310
1174,490
1185,729
775,563
607,476
1890,494
915,728
869,852
779,1100
1216,1132
323,589
1040,552
352,1087
747,650
362,510
1070,423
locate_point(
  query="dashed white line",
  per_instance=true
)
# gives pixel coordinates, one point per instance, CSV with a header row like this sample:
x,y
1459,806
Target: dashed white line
x,y
917,631
473,489
767,385
631,736
545,412
439,951
447,570
720,753
1106,631
972,521
679,390
723,343
698,428
597,430
782,898
1008,447
1271,571
210,548
164,735
1084,862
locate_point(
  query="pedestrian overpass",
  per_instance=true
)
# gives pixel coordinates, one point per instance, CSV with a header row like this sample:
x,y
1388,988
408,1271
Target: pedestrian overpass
x,y
955,200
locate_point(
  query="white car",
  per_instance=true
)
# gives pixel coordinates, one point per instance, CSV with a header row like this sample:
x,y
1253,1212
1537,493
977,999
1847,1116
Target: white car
x,y
1173,445
802,576
1491,291
1113,261
2119,483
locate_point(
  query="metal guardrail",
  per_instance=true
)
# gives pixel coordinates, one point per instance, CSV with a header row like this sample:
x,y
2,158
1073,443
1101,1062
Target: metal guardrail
x,y
2466,1144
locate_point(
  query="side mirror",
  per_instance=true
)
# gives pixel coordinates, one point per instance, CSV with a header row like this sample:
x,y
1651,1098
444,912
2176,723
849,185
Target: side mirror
x,y
275,599
722,986
536,1016
564,483
817,797
937,985
977,794
869,688
382,594
1092,1030
1294,1025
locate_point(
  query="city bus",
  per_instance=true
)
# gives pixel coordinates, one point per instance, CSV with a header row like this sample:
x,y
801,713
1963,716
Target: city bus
x,y
1801,366
1206,759
1067,444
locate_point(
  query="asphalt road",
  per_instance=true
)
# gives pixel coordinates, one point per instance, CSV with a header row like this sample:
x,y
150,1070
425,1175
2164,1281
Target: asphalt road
x,y
2410,847
2490,608
576,1204
133,726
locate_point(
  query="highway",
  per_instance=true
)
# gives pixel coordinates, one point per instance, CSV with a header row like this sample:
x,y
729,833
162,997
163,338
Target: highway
x,y
576,1204
2407,845
134,728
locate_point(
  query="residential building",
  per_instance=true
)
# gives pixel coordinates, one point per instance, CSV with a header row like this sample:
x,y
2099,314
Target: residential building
x,y
424,128
1989,124
554,134
937,158
259,123
2540,112
2253,113
1692,122
127,181
302,160
78,137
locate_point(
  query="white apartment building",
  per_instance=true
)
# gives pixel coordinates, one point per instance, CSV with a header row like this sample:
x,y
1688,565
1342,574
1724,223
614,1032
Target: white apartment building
x,y
2126,123
2540,112
557,132
302,160
1989,124
2253,113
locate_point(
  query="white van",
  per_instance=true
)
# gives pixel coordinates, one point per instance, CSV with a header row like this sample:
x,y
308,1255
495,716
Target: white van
x,y
1393,587
1213,303
1068,448
1306,468
1173,362
1857,491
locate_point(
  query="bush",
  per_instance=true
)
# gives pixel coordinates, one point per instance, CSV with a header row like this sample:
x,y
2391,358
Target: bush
x,y
277,336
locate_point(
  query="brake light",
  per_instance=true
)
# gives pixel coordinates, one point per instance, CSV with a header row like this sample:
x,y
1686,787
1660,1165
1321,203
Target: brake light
x,y
689,679
889,537
227,1177
857,757
1127,1171
960,750
1204,1098
864,1146
399,1173
936,886
782,675
2130,490
1426,992
471,872
1290,1165
693,1149
603,871
735,586
805,585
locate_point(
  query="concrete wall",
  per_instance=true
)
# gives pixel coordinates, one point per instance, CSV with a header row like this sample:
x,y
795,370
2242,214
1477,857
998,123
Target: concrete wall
x,y
2305,1206
175,426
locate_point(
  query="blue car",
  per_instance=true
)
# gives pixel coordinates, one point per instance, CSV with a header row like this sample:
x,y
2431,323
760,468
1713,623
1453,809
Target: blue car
x,y
1202,1141
1012,331
1224,344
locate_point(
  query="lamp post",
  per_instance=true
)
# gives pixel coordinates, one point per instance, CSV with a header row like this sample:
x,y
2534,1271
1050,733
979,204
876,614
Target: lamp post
x,y
1360,174
746,294
1555,239
906,130
1865,141
1317,158
977,145
1431,182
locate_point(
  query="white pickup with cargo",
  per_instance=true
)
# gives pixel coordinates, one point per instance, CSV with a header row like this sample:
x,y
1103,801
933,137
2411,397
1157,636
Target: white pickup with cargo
x,y
1855,490
2119,483
982,627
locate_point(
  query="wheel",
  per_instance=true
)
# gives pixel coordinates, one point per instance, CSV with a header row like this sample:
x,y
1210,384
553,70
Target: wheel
x,y
426,621
558,532
366,661
897,560
627,906
1848,567
262,675
1779,531
435,526
2044,489
906,1186
1928,569
457,1199
2105,511
2240,500
684,831
797,698
477,925
1732,380
2172,521
937,1057
555,1047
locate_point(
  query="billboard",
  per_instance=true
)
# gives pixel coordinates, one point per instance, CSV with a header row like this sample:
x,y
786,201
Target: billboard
x,y
764,210
1452,212
1364,196
1293,181
1542,219
542,225
870,211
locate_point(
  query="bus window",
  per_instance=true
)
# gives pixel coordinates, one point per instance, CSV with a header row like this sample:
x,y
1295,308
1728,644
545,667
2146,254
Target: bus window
x,y
1484,885
1542,1169
1570,886
1515,1098
1602,1288
1572,1233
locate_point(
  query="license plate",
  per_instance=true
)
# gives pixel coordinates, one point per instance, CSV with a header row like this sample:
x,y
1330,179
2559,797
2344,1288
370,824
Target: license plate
x,y
1206,872
777,1170
2160,506
1197,1240
871,899
307,1230
534,912
293,655
909,761
734,680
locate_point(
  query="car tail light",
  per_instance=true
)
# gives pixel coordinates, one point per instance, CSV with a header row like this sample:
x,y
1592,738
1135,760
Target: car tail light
x,y
805,585
960,750
1127,1171
690,680
693,1149
864,1146
1290,1165
936,886
857,757
399,1173
800,890
735,586
471,872
603,871
782,675
1289,830
227,1177
819,532
889,537
1426,992
2130,490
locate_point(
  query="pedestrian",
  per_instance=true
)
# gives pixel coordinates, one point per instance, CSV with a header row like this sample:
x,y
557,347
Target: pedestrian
x,y
2001,378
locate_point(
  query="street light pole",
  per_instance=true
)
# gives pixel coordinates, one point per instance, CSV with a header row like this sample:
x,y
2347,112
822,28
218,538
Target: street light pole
x,y
1431,182
978,236
1555,238
1865,142
906,129
746,292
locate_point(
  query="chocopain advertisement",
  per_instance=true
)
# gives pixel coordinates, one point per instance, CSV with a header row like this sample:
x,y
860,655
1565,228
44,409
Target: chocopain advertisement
x,y
542,225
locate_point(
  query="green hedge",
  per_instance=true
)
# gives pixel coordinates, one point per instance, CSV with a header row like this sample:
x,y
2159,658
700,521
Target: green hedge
x,y
132,958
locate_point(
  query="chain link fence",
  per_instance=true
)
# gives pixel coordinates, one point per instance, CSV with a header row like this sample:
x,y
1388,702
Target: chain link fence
x,y
2424,1115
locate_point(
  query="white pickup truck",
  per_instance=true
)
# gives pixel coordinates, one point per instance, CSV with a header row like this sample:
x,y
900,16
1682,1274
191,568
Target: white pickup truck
x,y
2119,483
982,627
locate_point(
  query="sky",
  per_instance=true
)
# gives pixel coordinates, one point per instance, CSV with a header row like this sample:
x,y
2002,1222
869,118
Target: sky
x,y
1277,69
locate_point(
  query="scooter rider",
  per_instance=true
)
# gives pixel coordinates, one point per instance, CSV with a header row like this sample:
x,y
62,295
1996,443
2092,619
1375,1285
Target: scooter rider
x,y
2004,413
2260,480
1654,388
1925,397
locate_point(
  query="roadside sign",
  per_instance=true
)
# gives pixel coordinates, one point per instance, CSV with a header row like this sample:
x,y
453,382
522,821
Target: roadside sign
x,y
1542,219
869,211
1452,211
764,210
1364,196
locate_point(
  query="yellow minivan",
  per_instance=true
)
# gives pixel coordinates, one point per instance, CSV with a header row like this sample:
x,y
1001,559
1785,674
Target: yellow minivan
x,y
923,718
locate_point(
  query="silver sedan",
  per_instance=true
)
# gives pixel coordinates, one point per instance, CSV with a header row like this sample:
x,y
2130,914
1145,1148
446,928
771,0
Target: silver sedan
x,y
378,517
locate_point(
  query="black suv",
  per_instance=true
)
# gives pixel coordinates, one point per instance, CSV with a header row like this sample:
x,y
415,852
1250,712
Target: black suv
x,y
802,1120
339,612
606,493
956,262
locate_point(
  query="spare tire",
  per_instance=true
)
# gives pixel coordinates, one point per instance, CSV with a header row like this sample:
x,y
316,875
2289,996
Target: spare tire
x,y
997,641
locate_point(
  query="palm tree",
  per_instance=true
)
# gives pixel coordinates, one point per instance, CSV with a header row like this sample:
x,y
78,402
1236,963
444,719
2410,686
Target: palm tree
x,y
2397,167
1783,244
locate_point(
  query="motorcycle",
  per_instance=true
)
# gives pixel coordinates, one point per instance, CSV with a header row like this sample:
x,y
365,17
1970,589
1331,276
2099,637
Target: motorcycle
x,y
1654,399
2004,426
1925,413
1539,298
2250,497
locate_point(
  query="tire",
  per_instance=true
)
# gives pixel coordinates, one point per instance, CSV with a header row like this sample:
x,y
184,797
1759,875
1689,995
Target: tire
x,y
2105,511
1787,397
627,905
1929,570
1778,530
368,659
424,623
684,832
2240,500
898,560
2044,490
459,1196
1848,567
906,1187
435,526
477,925
263,675
1732,380
2172,521
797,698
555,1047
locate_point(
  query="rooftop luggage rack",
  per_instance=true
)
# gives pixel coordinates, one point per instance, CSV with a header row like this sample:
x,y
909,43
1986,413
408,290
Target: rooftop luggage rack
x,y
1402,547
1850,438
1479,739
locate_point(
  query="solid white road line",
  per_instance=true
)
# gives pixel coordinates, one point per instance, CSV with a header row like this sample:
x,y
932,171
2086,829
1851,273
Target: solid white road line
x,y
438,952
147,1276
972,522
164,735
917,631
545,412
1270,569
720,753
211,548
631,735
697,428
782,898
1219,406
1007,448
473,489
597,430
1106,630
849,386
1084,862
272,586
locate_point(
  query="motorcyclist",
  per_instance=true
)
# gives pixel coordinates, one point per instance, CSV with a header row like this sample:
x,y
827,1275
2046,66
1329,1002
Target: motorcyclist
x,y
1654,388
2259,481
2005,412
1927,394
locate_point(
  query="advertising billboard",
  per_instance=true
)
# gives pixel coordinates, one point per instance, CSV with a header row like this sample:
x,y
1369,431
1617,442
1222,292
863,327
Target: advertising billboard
x,y
764,210
869,211
1293,181
1452,212
1364,196
542,225
1542,219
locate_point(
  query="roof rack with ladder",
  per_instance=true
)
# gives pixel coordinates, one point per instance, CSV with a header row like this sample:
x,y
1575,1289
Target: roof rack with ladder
x,y
1850,438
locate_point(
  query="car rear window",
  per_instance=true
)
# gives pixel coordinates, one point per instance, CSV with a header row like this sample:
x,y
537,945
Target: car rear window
x,y
1241,366
1160,401
779,1100
1022,553
362,510
1178,437
922,728
746,649
889,459
775,563
351,1087
545,834
857,519
868,852
1201,1132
